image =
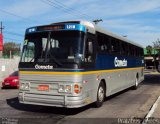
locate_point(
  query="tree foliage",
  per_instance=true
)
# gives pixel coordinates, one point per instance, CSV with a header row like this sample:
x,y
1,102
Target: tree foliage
x,y
11,47
156,44
149,49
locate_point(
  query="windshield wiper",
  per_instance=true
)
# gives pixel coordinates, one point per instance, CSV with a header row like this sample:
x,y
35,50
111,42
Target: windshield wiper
x,y
31,59
46,51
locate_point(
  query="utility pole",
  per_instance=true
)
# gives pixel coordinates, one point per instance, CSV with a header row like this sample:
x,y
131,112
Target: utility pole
x,y
96,21
1,40
1,28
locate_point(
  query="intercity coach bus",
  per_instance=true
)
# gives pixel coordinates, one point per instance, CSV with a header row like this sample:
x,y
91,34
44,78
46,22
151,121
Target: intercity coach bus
x,y
72,64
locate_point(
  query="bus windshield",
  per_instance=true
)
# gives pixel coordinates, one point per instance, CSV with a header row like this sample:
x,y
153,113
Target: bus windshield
x,y
53,47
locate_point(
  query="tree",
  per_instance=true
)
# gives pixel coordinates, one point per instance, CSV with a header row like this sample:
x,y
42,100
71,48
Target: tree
x,y
11,48
149,50
156,44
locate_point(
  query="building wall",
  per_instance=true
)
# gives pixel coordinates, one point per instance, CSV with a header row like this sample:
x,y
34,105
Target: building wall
x,y
0,54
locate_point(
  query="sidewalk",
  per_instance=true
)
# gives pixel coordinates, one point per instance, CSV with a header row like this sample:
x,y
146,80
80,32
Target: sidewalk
x,y
151,72
156,113
153,116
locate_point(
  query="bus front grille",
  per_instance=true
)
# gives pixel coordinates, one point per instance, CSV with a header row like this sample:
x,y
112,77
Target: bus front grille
x,y
44,99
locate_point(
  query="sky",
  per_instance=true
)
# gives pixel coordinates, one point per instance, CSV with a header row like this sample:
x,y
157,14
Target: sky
x,y
139,20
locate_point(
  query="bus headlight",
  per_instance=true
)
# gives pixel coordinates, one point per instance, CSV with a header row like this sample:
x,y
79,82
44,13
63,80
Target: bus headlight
x,y
24,86
61,88
65,88
68,88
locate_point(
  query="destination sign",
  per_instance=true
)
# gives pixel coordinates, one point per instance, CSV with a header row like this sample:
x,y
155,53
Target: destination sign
x,y
77,27
52,27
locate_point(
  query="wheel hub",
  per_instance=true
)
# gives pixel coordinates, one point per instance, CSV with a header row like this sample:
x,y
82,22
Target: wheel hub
x,y
101,94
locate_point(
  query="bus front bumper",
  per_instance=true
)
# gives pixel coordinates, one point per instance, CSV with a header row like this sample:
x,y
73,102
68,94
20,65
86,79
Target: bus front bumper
x,y
54,100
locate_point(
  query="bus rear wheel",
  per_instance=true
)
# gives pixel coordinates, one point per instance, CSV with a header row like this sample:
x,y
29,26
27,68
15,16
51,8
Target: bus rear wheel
x,y
136,84
100,95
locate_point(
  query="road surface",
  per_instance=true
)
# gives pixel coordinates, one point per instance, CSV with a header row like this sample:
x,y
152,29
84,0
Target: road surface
x,y
125,105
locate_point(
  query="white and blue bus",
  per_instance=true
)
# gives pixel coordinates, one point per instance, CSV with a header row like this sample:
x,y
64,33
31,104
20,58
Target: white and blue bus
x,y
72,64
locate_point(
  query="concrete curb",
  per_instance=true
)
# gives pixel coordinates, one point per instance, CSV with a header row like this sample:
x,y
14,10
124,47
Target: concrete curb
x,y
152,110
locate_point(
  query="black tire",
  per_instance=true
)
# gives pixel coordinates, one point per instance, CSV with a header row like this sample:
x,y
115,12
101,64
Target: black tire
x,y
136,84
100,97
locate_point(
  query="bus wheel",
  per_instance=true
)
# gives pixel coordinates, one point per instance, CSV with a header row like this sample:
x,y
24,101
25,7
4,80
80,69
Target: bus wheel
x,y
100,95
136,84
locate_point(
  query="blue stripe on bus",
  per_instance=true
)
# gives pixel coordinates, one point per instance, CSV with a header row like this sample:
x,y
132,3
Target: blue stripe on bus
x,y
107,62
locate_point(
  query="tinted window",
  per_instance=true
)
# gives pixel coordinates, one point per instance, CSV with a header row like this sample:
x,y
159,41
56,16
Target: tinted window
x,y
55,46
123,48
103,43
115,46
14,73
107,43
131,50
89,51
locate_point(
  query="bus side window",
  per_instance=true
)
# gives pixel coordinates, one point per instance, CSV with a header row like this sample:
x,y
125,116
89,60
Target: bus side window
x,y
127,49
124,48
30,53
89,51
131,50
142,52
115,46
107,44
100,42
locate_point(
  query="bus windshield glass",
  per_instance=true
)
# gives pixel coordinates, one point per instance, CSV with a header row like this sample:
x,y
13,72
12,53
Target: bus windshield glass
x,y
53,47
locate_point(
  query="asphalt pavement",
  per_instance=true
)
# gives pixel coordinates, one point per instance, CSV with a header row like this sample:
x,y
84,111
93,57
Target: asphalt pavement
x,y
128,104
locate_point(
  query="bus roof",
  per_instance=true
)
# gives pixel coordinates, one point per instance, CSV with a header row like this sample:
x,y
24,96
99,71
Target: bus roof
x,y
92,28
101,30
104,31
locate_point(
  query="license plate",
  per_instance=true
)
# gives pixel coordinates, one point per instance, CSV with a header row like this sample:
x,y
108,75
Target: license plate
x,y
7,84
43,87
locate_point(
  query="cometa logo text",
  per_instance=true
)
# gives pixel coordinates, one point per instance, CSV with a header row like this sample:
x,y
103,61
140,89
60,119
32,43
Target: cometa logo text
x,y
43,66
120,63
